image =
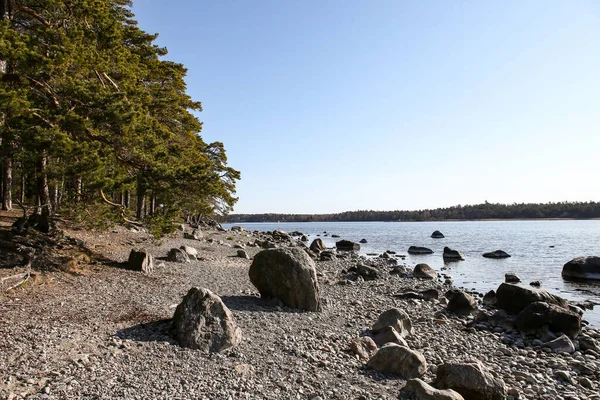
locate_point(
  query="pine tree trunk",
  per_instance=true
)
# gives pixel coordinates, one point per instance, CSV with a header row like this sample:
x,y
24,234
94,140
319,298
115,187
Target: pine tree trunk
x,y
152,204
7,184
141,201
22,192
127,198
78,188
43,189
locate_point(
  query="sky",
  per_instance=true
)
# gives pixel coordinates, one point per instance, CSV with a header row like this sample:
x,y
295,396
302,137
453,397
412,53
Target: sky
x,y
336,105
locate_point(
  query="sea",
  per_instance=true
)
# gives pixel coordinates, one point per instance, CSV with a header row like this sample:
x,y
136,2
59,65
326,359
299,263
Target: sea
x,y
538,249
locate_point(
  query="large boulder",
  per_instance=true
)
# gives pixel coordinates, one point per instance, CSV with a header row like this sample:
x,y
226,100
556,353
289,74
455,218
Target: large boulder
x,y
419,250
190,251
582,268
203,322
514,298
178,256
397,319
460,303
139,260
437,235
416,389
398,360
496,254
424,271
451,255
471,379
557,318
287,274
317,246
347,245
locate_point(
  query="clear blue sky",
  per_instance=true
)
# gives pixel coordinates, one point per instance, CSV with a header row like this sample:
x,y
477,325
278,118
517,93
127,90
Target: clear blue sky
x,y
328,106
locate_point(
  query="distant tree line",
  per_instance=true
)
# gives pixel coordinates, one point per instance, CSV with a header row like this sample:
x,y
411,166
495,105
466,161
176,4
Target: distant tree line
x,y
578,210
93,116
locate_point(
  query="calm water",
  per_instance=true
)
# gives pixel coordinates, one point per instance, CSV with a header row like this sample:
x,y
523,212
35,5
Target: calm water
x,y
529,243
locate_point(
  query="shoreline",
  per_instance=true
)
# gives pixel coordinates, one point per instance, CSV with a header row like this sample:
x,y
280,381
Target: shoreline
x,y
104,332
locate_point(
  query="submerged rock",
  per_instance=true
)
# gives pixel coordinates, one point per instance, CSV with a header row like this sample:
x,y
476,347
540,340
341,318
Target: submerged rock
x,y
496,254
511,277
450,254
437,235
419,250
347,245
582,268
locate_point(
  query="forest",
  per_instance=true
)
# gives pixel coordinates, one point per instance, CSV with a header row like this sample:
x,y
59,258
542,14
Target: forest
x,y
575,210
95,122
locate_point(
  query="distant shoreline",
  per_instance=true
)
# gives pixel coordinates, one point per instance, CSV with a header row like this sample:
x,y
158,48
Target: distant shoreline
x,y
441,220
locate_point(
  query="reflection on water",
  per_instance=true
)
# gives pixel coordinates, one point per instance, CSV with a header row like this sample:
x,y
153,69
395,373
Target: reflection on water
x,y
539,249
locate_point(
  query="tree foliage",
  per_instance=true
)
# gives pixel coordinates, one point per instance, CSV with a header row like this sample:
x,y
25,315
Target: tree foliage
x,y
88,102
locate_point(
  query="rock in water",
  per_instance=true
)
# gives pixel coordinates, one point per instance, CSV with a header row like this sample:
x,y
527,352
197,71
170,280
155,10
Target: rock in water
x,y
398,360
346,245
424,271
514,298
451,255
461,303
178,256
397,319
472,380
203,322
363,241
287,274
416,389
139,260
419,250
511,277
582,268
496,254
558,319
317,246
437,235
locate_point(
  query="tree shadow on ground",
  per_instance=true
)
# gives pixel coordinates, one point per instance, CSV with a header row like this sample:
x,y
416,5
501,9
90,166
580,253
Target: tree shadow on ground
x,y
154,331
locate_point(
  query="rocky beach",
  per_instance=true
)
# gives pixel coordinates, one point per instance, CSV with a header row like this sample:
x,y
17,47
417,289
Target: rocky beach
x,y
384,330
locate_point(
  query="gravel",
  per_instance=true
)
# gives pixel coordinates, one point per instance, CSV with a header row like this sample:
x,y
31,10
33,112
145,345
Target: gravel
x,y
103,333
